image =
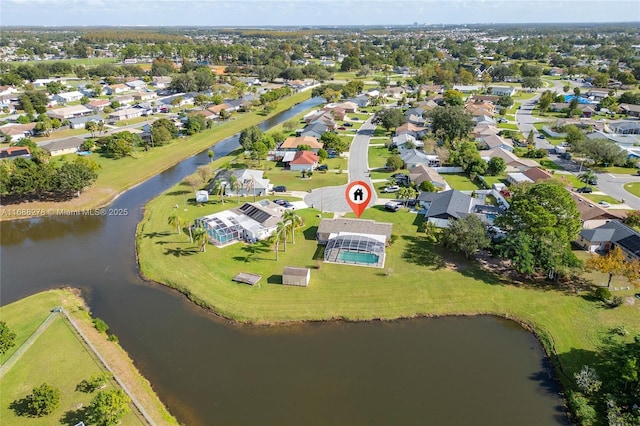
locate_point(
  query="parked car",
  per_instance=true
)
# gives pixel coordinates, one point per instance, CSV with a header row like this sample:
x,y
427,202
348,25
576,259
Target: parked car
x,y
355,119
392,188
540,136
280,188
342,128
392,206
322,168
604,204
585,190
347,124
592,181
280,202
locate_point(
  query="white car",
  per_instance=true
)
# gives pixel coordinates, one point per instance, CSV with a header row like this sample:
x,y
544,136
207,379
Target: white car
x,y
604,204
392,188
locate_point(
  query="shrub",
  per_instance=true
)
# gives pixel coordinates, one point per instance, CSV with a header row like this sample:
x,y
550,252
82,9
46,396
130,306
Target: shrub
x,y
616,301
100,325
603,293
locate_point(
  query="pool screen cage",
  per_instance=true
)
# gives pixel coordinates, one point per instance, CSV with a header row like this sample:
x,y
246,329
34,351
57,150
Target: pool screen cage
x,y
220,231
352,243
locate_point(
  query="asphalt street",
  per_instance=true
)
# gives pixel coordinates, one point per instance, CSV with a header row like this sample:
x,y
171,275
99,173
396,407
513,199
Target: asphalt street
x,y
332,198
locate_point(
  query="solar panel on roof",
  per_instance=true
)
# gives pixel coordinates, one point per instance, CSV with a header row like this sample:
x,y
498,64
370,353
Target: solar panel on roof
x,y
631,243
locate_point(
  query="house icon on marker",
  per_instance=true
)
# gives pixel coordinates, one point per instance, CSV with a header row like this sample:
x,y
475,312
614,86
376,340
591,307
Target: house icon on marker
x,y
357,195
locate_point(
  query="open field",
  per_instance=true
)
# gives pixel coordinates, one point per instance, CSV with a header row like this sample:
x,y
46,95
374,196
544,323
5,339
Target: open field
x,y
61,358
460,181
116,176
378,156
418,278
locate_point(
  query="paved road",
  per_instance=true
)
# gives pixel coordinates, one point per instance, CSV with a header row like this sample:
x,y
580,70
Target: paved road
x,y
332,199
613,186
109,130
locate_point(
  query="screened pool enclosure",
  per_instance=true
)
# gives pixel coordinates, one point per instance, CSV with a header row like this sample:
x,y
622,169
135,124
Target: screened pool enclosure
x,y
355,249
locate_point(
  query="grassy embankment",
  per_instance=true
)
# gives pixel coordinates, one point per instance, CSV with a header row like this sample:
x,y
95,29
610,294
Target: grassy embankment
x,y
419,278
116,176
62,359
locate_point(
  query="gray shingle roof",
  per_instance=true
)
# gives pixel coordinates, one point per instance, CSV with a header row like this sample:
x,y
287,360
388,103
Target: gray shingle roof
x,y
447,204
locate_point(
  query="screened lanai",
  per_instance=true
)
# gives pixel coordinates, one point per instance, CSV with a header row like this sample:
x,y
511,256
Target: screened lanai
x,y
356,249
222,228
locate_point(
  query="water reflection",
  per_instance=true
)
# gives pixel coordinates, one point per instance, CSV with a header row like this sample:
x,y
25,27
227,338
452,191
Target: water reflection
x,y
49,227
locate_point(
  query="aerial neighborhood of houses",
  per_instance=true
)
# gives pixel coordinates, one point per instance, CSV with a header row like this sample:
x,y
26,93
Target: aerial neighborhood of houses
x,y
515,123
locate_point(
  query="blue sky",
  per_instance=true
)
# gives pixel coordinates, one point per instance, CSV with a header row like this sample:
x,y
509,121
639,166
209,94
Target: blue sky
x,y
310,12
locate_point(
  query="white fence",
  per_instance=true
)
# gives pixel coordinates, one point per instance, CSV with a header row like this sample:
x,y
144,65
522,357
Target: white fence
x,y
553,134
449,169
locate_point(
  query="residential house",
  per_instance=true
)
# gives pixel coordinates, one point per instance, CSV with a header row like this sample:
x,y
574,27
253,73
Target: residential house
x,y
144,96
17,131
216,109
555,71
466,89
66,113
413,158
63,146
250,222
502,90
66,97
625,127
422,173
136,85
361,101
592,214
512,160
411,129
123,99
292,143
630,110
115,89
609,235
443,207
125,114
161,82
356,242
516,178
348,106
249,181
598,94
394,92
80,122
537,174
15,152
491,141
304,160
405,142
315,129
98,104
7,90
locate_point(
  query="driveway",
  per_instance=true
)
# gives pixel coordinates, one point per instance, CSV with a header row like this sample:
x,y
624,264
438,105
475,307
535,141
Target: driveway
x,y
331,198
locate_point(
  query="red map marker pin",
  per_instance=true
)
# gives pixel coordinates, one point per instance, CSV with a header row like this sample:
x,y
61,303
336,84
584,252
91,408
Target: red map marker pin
x,y
358,195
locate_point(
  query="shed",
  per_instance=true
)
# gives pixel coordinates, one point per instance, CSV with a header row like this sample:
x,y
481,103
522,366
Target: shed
x,y
202,196
296,276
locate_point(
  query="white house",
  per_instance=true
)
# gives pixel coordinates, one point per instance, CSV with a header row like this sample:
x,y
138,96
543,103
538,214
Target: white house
x,y
125,114
502,90
66,97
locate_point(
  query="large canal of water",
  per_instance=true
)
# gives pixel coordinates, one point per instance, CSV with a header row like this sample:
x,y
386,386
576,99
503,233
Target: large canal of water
x,y
447,371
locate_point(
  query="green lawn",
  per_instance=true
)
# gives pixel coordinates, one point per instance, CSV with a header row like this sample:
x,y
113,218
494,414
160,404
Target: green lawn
x,y
633,188
61,358
57,357
460,181
549,165
597,198
418,279
359,116
378,156
617,170
123,123
569,179
508,126
494,179
59,134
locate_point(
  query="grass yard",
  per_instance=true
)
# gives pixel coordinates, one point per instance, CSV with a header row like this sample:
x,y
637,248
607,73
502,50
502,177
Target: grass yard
x,y
59,357
569,179
617,170
597,198
549,165
419,278
130,121
59,134
378,156
116,176
460,182
294,182
494,179
508,126
633,188
359,116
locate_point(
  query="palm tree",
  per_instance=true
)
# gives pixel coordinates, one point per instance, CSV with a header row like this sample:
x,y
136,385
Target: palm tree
x,y
588,177
294,222
236,186
250,185
200,237
175,220
281,232
100,127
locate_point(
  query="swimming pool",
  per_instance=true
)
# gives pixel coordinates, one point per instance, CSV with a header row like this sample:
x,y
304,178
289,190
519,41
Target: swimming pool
x,y
358,257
